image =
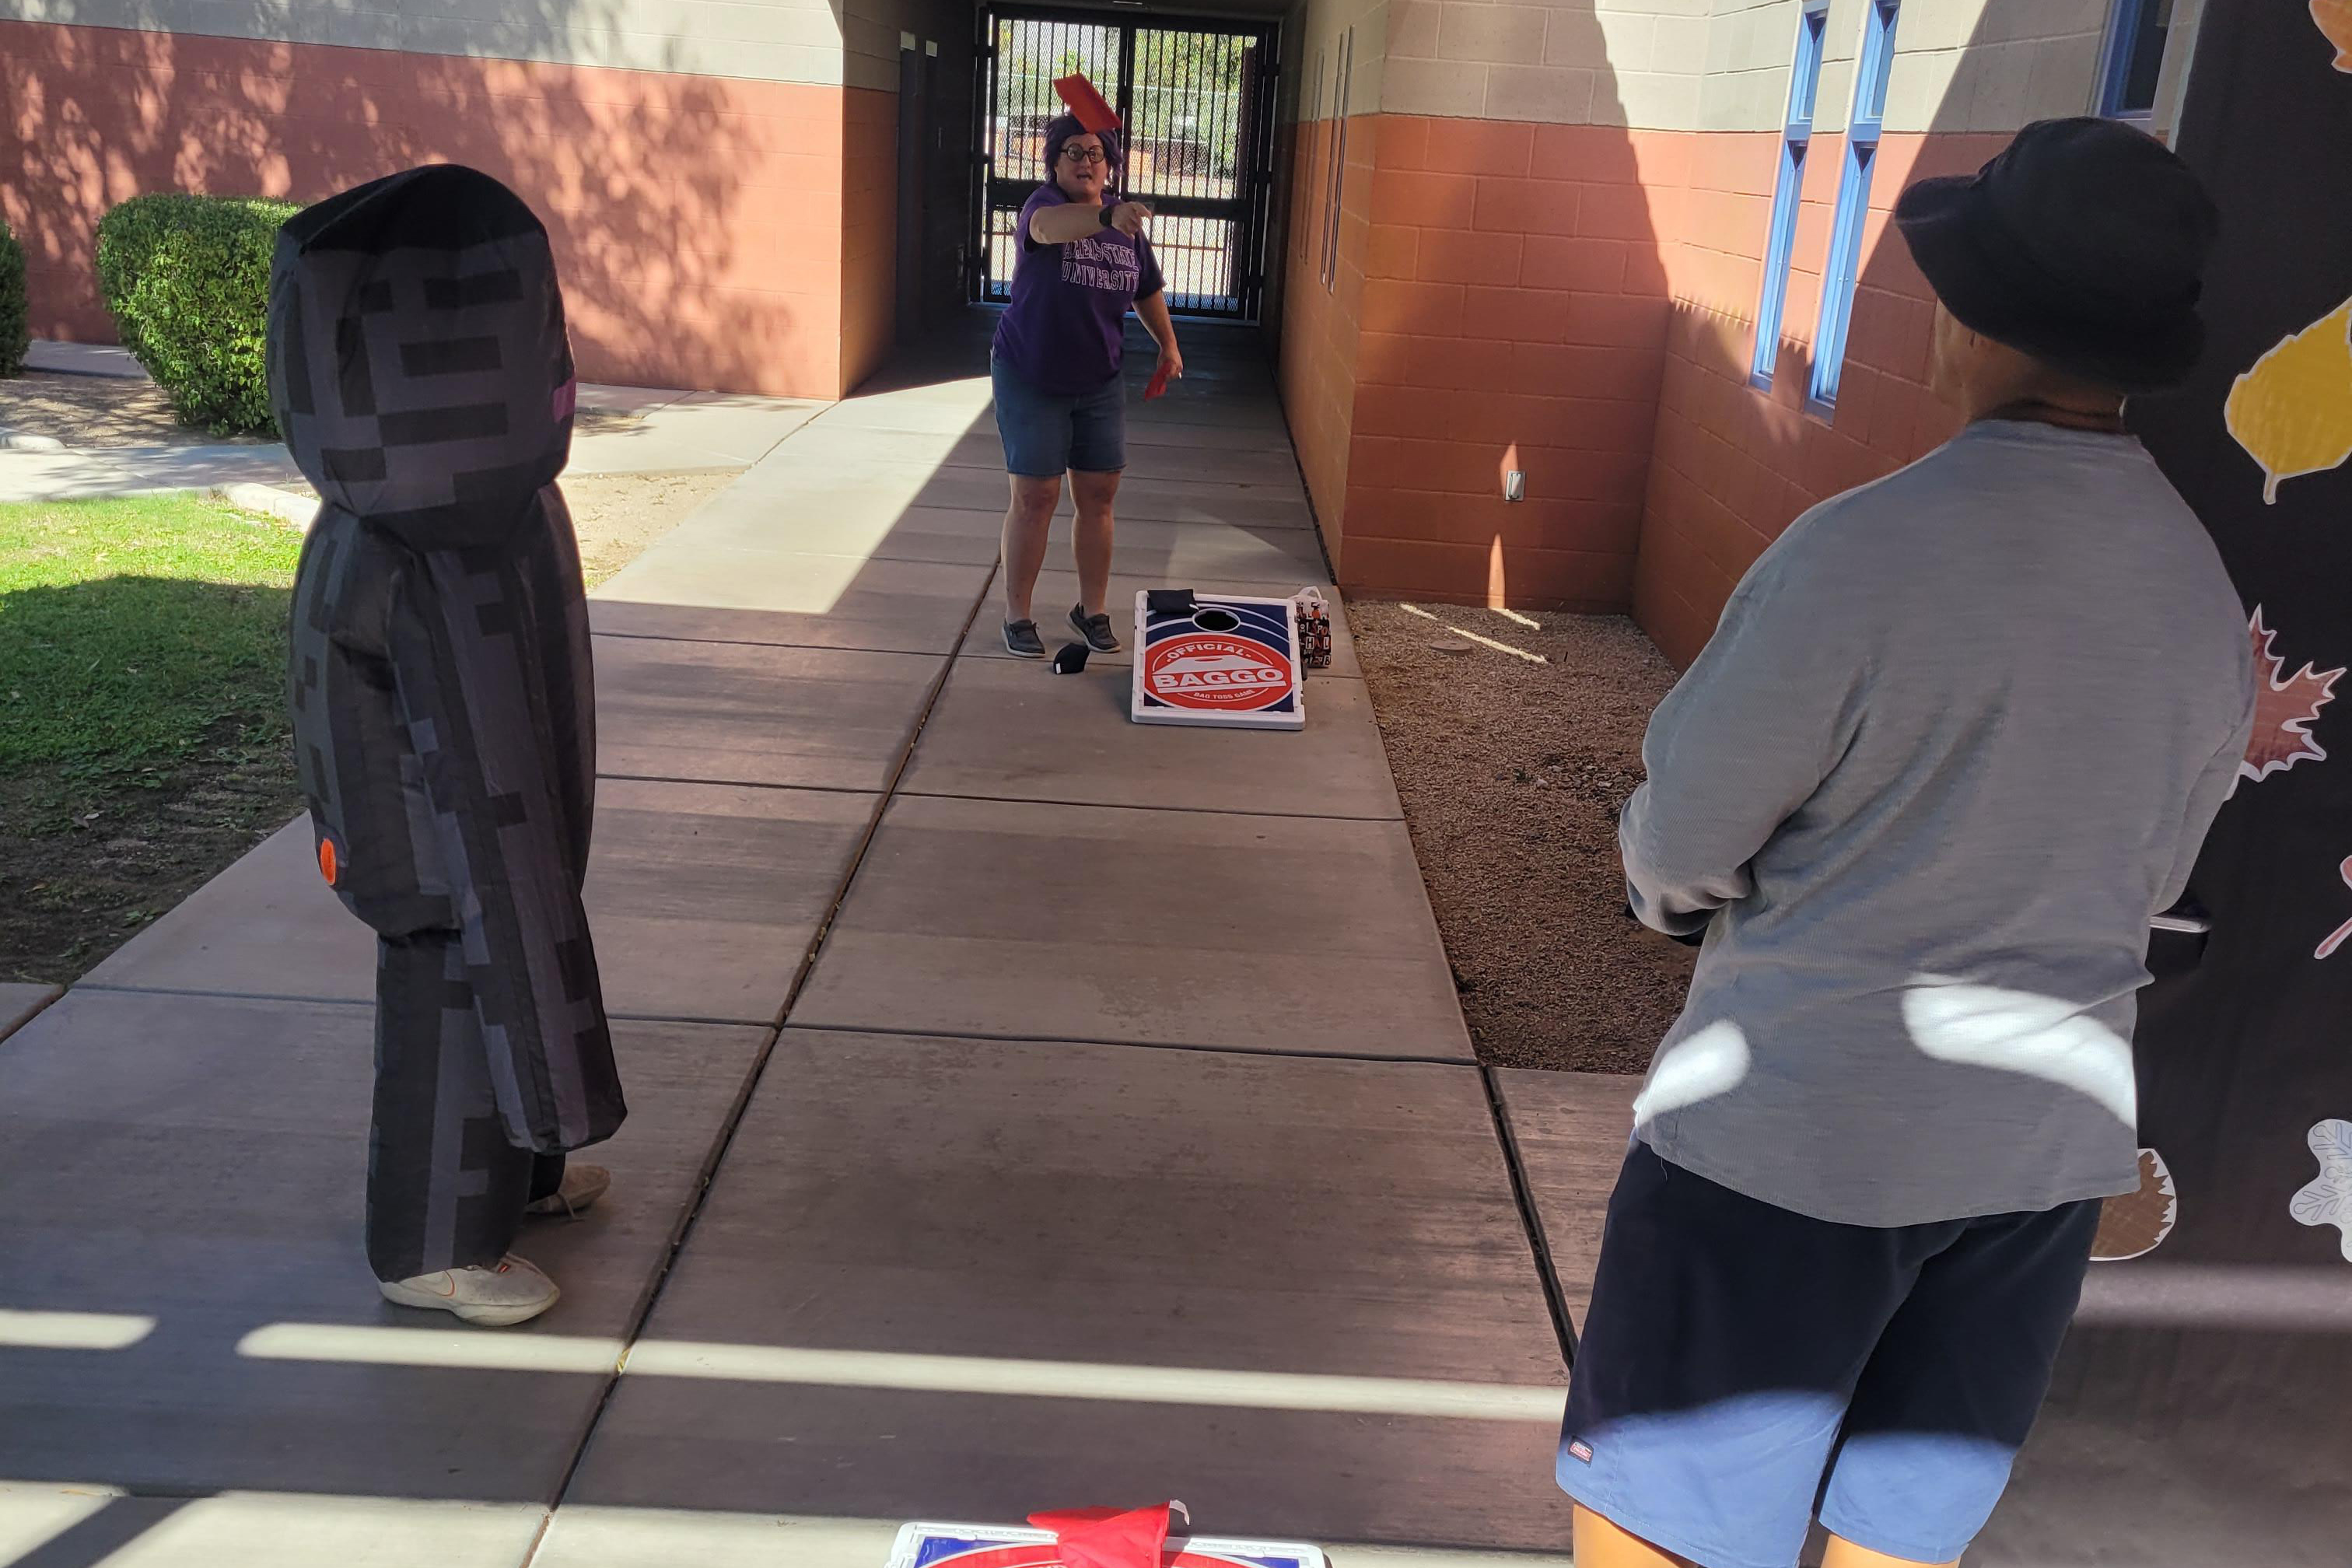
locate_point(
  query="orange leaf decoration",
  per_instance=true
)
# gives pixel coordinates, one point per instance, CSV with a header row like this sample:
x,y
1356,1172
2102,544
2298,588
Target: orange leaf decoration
x,y
2335,19
2284,708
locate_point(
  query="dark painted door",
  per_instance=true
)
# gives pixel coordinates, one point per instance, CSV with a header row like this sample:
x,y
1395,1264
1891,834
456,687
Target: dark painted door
x,y
2202,1413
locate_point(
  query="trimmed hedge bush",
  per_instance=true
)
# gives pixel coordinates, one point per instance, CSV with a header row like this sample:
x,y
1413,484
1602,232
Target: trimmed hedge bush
x,y
13,336
188,280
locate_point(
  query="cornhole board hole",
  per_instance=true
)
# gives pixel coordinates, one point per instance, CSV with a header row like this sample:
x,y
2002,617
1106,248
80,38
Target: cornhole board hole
x,y
1228,662
988,1546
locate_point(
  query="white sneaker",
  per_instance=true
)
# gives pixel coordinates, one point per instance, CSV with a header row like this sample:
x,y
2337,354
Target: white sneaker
x,y
513,1292
582,1185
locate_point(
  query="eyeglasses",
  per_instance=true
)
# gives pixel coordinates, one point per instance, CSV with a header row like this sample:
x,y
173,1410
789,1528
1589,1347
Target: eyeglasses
x,y
1083,154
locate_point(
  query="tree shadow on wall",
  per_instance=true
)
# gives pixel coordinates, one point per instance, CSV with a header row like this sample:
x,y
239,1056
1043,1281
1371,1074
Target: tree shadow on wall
x,y
647,181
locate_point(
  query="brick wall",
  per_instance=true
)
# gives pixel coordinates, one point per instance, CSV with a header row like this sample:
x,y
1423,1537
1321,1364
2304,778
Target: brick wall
x,y
1569,206
1514,317
1734,465
1319,327
868,270
725,221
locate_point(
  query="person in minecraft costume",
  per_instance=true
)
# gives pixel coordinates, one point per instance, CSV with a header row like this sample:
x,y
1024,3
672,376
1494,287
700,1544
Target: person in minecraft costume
x,y
444,711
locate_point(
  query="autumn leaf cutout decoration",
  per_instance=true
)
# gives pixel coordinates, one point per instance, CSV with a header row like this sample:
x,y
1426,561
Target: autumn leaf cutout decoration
x,y
2334,20
2285,707
2293,411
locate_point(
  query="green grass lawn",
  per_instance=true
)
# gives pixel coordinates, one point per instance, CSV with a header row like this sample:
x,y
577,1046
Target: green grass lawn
x,y
142,721
132,632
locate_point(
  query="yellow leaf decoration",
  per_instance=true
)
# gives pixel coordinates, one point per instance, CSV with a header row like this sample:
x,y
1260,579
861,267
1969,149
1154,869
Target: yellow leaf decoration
x,y
2293,411
2335,19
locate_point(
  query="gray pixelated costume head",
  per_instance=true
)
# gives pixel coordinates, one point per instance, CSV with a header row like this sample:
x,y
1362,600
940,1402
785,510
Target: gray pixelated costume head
x,y
441,689
418,363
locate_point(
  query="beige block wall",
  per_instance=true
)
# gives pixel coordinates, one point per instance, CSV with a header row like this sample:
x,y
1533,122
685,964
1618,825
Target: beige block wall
x,y
2179,50
874,31
1751,46
1961,65
769,40
1994,66
1314,35
1635,63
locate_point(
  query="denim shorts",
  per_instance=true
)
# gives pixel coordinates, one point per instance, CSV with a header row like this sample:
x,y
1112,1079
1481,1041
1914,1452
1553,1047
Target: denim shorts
x,y
1046,435
1744,1369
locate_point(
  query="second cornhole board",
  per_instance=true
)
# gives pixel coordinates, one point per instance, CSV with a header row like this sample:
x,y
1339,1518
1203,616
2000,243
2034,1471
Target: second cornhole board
x,y
1230,662
984,1546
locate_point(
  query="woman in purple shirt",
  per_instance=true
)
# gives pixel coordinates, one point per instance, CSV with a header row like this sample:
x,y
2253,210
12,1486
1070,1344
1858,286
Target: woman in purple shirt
x,y
1061,406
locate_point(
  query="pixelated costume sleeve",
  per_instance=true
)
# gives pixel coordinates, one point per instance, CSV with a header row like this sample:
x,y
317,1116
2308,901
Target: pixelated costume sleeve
x,y
510,829
373,837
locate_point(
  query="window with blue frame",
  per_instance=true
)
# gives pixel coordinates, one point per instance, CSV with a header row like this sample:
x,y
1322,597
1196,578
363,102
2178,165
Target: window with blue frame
x,y
2138,32
1844,272
1804,86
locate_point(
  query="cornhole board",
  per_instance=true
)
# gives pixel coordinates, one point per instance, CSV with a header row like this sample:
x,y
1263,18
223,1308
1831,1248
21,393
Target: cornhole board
x,y
990,1546
1230,663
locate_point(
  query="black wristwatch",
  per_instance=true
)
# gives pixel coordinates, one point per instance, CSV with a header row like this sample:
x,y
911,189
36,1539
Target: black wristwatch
x,y
1107,212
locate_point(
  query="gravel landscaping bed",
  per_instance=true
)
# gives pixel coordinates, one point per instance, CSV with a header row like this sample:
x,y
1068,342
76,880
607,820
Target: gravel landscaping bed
x,y
1513,738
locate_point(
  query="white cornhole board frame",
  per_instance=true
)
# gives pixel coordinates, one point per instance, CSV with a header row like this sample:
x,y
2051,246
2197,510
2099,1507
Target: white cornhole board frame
x,y
1244,675
998,1546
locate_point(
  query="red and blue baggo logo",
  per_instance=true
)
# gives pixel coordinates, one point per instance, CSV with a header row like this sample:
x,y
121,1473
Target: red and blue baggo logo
x,y
1221,660
1216,672
975,1546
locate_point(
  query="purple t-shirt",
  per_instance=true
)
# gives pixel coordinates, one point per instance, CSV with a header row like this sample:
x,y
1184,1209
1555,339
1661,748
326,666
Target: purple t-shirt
x,y
1065,331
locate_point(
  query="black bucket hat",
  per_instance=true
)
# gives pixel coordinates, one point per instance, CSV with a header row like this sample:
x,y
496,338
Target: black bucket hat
x,y
2083,245
1062,128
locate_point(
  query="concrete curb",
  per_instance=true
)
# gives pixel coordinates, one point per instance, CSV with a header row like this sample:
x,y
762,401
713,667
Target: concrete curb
x,y
17,441
269,501
20,1005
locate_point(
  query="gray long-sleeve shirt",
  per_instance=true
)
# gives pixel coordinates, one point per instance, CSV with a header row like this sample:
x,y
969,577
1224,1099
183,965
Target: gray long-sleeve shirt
x,y
1957,736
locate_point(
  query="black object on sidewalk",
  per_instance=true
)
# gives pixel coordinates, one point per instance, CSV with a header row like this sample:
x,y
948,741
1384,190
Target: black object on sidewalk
x,y
1072,659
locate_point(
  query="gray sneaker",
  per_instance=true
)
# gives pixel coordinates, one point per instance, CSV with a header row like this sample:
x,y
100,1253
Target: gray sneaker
x,y
1022,641
512,1292
1095,629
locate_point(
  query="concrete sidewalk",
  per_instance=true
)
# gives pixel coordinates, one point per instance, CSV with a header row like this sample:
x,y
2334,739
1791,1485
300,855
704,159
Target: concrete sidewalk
x,y
1028,1109
674,432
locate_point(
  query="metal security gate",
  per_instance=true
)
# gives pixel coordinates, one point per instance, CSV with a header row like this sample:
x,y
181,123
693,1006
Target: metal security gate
x,y
1197,104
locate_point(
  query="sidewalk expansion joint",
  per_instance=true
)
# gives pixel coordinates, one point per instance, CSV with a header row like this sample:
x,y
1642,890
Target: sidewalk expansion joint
x,y
1523,1194
1194,1048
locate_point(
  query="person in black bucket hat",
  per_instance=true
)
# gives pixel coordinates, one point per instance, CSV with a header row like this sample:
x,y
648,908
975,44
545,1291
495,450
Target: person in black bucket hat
x,y
2083,246
1955,742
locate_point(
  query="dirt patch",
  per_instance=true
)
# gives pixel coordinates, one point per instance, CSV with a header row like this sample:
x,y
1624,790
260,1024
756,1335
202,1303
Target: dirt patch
x,y
1511,773
128,411
100,411
69,899
617,515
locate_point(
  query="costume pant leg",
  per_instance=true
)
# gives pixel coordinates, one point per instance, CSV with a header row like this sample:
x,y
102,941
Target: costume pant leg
x,y
446,1190
546,1175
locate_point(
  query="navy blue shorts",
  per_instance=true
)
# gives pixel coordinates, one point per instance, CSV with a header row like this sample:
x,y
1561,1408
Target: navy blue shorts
x,y
1046,435
1744,1369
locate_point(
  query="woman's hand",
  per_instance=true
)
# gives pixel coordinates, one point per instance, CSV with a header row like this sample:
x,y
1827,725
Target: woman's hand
x,y
1171,362
1128,217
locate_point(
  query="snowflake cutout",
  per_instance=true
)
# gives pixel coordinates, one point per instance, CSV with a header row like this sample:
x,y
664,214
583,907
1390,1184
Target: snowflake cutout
x,y
2326,1199
2284,708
